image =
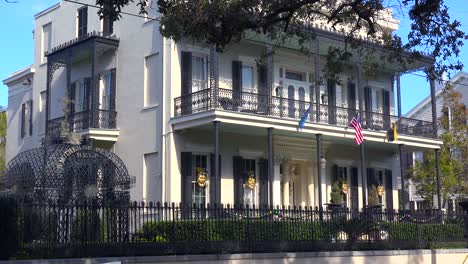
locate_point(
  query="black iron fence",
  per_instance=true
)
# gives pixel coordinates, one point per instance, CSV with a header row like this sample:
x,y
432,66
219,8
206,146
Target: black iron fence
x,y
53,231
261,104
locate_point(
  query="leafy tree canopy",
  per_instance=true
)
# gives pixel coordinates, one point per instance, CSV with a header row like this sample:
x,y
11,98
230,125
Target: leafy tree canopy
x,y
220,22
453,154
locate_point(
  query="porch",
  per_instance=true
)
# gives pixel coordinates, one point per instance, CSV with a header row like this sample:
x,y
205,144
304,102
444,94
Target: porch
x,y
290,109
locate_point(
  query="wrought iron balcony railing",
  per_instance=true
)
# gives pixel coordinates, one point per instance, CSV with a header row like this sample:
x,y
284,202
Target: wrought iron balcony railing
x,y
106,119
260,104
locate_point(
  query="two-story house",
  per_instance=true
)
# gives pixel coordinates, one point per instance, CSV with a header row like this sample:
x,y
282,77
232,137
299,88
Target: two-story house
x,y
196,126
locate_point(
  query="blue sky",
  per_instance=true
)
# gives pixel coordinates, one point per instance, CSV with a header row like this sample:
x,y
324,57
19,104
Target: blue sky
x,y
17,22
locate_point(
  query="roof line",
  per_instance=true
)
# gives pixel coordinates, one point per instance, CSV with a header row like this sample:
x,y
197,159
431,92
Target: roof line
x,y
426,100
47,10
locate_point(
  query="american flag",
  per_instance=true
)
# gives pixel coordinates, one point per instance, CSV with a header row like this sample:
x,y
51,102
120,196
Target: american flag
x,y
356,124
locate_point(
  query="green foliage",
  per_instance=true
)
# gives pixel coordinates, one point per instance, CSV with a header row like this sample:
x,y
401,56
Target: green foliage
x,y
453,154
336,196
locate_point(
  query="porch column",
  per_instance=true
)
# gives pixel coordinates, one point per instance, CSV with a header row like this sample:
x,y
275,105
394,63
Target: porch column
x,y
285,183
215,190
276,184
319,172
361,146
432,78
317,80
214,75
94,115
402,178
270,165
398,85
269,75
439,198
68,87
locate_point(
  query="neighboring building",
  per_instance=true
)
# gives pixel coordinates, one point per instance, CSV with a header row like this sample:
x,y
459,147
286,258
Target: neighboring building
x,y
423,111
153,103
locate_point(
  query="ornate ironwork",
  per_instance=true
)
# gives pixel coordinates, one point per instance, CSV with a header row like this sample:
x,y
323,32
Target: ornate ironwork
x,y
66,174
107,119
278,106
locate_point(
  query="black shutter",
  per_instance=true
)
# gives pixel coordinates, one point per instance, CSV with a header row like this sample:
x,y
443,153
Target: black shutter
x,y
371,179
354,189
71,103
112,90
30,117
331,89
236,84
85,20
87,94
238,180
23,117
186,173
263,184
335,174
351,100
215,182
386,109
186,75
389,189
368,106
262,89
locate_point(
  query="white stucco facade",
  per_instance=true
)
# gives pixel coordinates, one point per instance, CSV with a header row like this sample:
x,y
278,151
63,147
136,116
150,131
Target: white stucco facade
x,y
155,138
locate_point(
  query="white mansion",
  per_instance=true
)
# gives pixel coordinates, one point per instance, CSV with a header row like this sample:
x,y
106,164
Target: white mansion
x,y
156,104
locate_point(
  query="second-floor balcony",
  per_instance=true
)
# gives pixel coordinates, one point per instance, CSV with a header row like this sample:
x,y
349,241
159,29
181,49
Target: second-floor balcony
x,y
83,121
280,107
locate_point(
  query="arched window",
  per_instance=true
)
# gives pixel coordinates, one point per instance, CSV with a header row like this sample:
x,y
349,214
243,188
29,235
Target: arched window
x,y
291,106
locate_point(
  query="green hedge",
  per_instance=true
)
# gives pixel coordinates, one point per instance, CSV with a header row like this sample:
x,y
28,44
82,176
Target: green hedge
x,y
260,230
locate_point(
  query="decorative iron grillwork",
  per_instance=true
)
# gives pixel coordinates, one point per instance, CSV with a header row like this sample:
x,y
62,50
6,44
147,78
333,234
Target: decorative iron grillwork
x,y
67,174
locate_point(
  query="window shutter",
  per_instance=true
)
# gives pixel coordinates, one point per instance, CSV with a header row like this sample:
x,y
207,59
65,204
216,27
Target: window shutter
x,y
23,117
215,182
112,90
354,189
335,173
238,180
352,96
368,106
87,94
85,21
186,75
71,95
30,118
386,109
262,89
371,180
263,184
186,173
389,189
236,83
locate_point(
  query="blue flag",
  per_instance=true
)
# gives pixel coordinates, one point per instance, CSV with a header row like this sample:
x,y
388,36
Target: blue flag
x,y
304,118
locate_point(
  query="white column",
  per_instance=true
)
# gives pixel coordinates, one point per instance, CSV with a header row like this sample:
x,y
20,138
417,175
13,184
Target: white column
x,y
285,183
324,185
310,174
276,185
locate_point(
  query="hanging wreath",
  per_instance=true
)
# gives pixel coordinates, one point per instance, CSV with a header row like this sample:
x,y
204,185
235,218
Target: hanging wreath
x,y
380,190
201,178
250,183
344,188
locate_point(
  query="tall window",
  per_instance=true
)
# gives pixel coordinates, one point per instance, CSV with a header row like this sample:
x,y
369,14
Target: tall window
x,y
249,171
199,73
42,109
377,100
106,91
81,91
26,119
199,163
82,21
46,43
152,181
151,80
247,79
